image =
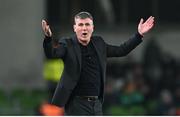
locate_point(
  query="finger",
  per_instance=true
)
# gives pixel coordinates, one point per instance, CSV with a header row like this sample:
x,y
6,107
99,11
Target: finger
x,y
44,25
43,22
48,30
141,21
151,25
47,27
147,21
150,19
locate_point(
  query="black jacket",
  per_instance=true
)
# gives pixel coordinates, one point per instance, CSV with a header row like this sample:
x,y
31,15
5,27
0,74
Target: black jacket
x,y
69,51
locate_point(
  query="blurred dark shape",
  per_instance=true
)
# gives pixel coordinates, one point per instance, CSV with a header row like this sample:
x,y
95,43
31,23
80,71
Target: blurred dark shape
x,y
165,104
152,64
170,70
177,99
111,96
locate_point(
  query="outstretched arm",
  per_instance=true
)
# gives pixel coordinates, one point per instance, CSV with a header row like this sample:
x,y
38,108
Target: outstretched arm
x,y
129,45
146,26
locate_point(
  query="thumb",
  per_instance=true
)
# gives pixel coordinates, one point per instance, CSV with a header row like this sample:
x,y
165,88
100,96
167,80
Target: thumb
x,y
141,21
43,22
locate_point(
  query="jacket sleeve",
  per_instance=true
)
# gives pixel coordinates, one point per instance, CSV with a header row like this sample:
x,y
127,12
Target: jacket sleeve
x,y
52,52
124,48
61,96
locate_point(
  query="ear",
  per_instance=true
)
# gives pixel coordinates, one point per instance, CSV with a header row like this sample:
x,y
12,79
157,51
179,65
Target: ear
x,y
74,27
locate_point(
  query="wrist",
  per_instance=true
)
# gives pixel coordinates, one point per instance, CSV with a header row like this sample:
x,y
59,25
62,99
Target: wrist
x,y
141,34
47,37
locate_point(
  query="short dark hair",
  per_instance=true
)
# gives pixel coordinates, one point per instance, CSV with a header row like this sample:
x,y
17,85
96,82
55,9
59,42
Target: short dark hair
x,y
83,15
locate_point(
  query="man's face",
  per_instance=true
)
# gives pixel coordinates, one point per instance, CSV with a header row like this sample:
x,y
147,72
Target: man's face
x,y
83,29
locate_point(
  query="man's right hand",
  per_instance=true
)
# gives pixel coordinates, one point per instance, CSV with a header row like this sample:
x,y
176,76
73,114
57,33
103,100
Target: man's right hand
x,y
46,28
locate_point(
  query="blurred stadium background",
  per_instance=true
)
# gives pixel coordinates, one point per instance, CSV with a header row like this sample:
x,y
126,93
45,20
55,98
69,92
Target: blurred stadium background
x,y
146,82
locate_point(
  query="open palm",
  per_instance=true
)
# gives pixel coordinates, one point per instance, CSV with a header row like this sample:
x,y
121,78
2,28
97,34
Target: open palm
x,y
144,27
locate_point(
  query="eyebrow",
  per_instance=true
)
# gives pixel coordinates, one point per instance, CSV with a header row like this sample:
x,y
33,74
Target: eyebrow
x,y
84,24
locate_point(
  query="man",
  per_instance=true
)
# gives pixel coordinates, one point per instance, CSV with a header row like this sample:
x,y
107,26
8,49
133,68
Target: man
x,y
81,88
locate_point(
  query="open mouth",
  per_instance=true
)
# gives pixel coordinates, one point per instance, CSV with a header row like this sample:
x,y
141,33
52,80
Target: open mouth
x,y
84,34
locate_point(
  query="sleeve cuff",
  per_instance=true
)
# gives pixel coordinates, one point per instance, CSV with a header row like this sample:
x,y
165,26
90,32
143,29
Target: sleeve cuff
x,y
139,36
47,39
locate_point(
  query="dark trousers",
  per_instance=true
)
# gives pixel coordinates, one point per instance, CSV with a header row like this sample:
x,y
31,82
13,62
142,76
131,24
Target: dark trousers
x,y
79,106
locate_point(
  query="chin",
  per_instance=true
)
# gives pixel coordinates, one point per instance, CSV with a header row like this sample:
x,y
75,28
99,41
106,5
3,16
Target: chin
x,y
84,39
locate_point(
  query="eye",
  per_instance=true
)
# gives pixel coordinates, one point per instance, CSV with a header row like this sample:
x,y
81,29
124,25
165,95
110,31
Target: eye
x,y
80,24
87,24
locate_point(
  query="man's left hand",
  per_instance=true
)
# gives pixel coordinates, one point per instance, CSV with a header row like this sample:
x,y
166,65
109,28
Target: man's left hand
x,y
146,26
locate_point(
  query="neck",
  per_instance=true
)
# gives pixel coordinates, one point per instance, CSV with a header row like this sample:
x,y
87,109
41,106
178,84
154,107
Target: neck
x,y
84,43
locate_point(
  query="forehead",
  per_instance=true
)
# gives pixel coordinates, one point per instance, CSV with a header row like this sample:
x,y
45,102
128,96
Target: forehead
x,y
86,20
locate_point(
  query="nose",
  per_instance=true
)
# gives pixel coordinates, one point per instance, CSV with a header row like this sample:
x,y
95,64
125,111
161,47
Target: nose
x,y
84,27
